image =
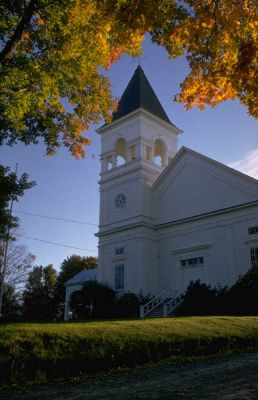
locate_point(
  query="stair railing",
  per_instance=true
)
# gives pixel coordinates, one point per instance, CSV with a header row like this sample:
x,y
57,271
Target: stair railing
x,y
172,304
155,302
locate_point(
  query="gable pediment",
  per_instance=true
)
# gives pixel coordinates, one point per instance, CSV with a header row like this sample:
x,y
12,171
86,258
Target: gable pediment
x,y
193,184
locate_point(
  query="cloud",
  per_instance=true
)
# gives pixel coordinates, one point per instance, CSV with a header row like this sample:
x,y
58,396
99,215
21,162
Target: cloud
x,y
248,165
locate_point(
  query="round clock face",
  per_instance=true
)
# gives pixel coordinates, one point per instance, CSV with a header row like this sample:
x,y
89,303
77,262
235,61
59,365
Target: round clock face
x,y
120,200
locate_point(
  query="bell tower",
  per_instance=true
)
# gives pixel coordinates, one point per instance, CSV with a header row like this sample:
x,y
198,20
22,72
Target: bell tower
x,y
135,148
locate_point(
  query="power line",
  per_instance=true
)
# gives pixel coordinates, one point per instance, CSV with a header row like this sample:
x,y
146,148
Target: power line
x,y
56,218
56,244
83,249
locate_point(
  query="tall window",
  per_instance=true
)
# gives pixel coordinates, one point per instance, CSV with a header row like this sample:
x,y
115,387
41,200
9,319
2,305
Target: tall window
x,y
119,276
254,256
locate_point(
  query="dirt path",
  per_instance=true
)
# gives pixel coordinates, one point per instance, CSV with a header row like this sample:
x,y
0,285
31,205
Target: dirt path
x,y
229,378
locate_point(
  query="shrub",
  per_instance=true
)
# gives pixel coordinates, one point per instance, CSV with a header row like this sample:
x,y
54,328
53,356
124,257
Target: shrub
x,y
243,295
201,299
95,300
127,305
240,299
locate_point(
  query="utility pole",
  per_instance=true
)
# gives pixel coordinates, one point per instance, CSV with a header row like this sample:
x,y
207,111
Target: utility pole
x,y
3,272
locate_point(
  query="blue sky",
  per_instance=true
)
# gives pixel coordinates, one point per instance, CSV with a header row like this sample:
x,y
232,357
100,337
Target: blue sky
x,y
68,188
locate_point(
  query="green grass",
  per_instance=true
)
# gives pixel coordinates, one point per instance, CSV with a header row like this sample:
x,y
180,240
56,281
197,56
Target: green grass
x,y
31,352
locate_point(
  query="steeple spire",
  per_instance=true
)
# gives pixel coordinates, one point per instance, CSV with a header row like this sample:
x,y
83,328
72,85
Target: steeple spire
x,y
139,94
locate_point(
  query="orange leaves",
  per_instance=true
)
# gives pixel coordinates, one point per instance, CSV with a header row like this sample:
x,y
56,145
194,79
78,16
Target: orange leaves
x,y
26,35
219,38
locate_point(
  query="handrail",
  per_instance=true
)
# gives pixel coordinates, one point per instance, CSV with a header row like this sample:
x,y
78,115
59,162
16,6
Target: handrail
x,y
174,299
174,302
153,303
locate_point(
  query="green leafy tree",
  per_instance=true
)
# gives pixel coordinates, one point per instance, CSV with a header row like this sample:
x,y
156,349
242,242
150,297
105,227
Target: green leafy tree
x,y
52,54
39,295
12,188
74,264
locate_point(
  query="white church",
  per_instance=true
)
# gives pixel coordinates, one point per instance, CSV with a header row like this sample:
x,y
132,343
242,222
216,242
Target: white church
x,y
167,217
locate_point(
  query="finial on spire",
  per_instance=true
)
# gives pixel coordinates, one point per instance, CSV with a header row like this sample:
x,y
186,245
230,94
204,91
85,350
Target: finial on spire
x,y
139,60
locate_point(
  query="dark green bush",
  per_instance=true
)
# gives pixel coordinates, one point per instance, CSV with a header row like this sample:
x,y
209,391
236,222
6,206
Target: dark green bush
x,y
240,299
201,299
127,306
95,300
243,295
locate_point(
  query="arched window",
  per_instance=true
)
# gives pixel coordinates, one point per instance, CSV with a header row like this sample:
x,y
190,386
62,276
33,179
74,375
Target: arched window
x,y
159,152
120,152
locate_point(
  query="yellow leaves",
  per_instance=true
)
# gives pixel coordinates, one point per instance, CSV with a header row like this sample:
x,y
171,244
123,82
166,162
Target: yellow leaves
x,y
199,93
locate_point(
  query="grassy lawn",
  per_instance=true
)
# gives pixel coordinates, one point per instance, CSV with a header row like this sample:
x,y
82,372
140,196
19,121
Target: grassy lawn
x,y
52,350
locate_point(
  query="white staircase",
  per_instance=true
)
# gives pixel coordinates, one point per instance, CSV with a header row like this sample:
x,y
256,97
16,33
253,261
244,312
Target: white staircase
x,y
162,305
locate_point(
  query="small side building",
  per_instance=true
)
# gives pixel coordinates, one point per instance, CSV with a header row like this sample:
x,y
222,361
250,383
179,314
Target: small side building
x,y
76,283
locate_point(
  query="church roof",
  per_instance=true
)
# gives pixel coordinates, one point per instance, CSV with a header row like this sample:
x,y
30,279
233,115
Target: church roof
x,y
139,94
83,276
184,150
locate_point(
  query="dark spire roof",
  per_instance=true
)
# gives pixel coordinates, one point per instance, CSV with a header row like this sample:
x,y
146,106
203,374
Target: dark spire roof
x,y
139,93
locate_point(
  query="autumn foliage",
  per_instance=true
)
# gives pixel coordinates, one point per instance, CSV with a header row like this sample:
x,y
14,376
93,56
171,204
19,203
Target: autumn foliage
x,y
53,57
220,40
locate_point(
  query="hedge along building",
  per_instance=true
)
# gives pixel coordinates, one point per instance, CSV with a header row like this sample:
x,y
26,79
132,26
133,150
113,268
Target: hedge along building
x,y
168,217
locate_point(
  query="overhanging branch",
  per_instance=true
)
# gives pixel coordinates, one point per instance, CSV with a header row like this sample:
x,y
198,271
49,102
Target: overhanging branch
x,y
13,42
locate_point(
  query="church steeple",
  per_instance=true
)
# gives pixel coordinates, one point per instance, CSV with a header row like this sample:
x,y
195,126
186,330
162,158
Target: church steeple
x,y
139,94
139,132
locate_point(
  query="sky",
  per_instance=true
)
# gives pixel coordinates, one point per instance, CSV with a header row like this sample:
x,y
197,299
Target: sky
x,y
67,189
